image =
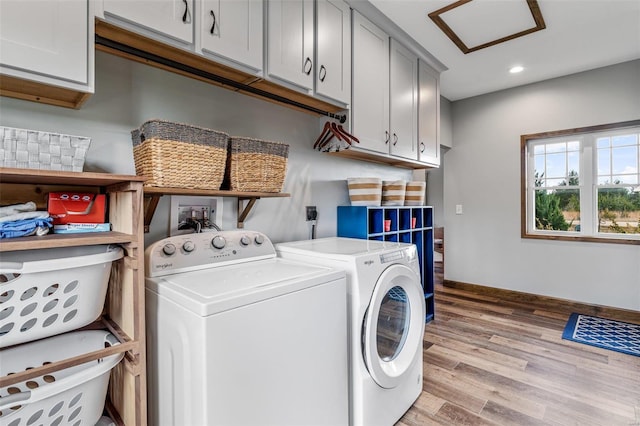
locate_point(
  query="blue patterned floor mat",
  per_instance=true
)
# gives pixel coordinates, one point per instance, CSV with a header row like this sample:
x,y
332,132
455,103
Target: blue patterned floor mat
x,y
604,333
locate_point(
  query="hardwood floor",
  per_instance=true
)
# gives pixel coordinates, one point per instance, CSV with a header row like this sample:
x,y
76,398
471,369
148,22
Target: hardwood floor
x,y
496,362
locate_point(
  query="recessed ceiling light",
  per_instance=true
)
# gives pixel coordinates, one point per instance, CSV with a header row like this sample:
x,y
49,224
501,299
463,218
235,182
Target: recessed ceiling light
x,y
516,69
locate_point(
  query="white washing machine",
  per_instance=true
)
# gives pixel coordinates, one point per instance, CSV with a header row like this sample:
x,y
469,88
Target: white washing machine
x,y
237,336
386,321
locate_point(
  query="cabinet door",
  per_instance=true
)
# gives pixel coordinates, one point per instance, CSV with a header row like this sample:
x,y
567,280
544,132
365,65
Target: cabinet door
x,y
333,51
290,41
404,102
173,18
370,103
46,37
233,29
428,116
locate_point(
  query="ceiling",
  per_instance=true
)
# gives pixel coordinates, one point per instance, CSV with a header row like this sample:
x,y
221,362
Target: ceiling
x,y
580,35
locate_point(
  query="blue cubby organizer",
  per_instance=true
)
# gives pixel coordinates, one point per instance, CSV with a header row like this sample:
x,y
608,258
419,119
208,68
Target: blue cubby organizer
x,y
367,222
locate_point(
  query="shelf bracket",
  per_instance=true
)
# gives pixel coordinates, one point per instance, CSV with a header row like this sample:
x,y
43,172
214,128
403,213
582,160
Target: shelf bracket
x,y
243,210
150,205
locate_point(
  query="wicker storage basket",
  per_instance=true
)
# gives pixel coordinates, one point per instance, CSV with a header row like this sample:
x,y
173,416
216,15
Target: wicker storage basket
x,y
365,191
32,149
257,166
175,155
414,195
393,192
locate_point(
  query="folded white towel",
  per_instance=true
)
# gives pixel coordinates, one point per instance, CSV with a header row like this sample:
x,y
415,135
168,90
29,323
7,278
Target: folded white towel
x,y
24,215
17,208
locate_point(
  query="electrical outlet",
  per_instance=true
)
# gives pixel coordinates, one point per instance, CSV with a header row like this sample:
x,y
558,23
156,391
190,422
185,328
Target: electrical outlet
x,y
458,208
312,213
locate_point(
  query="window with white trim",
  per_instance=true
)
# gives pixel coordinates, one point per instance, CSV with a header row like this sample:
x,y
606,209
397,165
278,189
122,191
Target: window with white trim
x,y
582,184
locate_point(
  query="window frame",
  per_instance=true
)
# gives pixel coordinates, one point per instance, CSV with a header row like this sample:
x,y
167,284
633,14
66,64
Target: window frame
x,y
588,175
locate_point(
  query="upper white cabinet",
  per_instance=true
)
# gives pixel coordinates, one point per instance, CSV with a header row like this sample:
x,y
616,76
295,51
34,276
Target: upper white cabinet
x,y
428,115
290,41
232,30
314,58
403,113
47,41
370,103
333,50
384,108
171,18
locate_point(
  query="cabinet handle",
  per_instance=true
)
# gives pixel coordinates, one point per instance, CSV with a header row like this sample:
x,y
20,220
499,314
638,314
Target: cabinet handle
x,y
395,139
213,26
386,135
422,147
308,63
186,11
322,75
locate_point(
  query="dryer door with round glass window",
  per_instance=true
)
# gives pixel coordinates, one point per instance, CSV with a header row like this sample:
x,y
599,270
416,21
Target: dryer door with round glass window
x,y
394,325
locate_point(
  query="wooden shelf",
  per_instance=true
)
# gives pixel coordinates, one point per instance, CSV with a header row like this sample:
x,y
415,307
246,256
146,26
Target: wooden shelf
x,y
152,197
123,313
53,177
64,240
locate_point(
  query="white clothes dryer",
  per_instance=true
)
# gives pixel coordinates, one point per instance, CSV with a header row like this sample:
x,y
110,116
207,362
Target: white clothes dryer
x,y
237,336
386,321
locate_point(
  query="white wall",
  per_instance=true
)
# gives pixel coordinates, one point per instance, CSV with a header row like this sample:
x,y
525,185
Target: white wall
x,y
128,93
483,174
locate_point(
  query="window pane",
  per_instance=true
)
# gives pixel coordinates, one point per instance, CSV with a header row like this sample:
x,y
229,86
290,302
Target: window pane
x,y
539,167
556,165
604,162
556,147
554,182
557,210
573,146
604,142
624,140
625,179
625,160
619,210
574,167
538,149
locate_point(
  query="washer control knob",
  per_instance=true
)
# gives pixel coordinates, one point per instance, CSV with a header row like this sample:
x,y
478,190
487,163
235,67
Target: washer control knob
x,y
259,239
245,241
188,246
169,249
218,242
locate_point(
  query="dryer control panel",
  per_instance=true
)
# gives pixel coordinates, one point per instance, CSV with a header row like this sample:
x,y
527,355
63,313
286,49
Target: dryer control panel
x,y
190,252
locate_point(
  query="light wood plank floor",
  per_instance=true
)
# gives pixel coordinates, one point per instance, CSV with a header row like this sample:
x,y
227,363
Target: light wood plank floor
x,y
494,362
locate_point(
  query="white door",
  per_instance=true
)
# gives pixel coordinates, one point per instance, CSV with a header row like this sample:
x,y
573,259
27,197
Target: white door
x,y
290,41
173,18
233,29
333,52
370,107
46,37
404,102
394,326
428,116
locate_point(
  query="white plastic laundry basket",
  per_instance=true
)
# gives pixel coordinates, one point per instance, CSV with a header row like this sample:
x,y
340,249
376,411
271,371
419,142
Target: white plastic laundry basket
x,y
52,291
73,396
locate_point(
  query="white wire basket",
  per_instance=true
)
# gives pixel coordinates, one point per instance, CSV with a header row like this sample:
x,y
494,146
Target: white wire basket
x,y
52,291
72,396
